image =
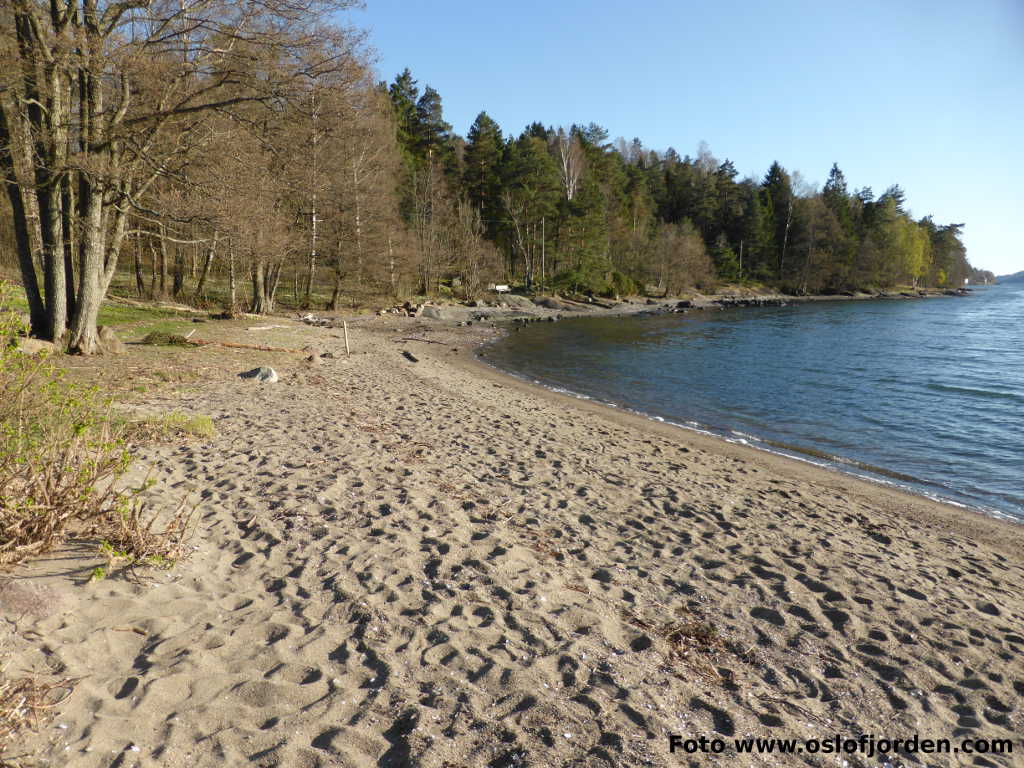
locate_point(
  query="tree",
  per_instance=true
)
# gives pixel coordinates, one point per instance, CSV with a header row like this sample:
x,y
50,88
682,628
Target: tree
x,y
92,92
482,180
681,258
571,161
431,131
405,94
778,199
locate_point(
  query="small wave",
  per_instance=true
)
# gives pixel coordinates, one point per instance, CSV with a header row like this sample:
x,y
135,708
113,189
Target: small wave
x,y
988,394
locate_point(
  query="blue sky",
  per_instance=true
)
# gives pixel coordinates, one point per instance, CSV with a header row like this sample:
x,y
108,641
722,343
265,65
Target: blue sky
x,y
929,95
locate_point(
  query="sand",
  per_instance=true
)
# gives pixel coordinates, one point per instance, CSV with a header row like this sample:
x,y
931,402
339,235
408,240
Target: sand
x,y
431,564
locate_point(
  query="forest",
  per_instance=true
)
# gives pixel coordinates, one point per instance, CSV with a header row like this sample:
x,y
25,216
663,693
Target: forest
x,y
245,155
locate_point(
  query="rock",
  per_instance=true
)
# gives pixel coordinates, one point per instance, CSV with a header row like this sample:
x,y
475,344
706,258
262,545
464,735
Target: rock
x,y
315,359
264,374
31,346
550,302
684,304
519,302
437,313
108,342
409,356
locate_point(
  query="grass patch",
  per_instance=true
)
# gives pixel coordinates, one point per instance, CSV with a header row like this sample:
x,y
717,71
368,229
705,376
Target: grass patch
x,y
170,426
113,313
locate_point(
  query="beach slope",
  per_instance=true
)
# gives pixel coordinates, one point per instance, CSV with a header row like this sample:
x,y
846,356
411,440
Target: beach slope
x,y
411,560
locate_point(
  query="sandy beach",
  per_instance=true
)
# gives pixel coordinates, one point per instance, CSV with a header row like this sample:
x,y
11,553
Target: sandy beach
x,y
429,563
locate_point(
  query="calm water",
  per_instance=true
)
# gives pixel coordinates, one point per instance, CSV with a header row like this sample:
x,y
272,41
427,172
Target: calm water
x,y
927,394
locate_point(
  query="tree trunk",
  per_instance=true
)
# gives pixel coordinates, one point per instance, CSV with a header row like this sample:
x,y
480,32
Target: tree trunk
x,y
232,284
68,204
140,284
163,262
207,262
178,279
153,270
261,303
83,339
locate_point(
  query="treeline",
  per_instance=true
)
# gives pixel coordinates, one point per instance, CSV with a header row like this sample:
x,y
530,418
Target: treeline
x,y
568,209
242,154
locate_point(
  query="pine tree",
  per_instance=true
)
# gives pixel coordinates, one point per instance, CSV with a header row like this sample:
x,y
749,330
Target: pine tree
x,y
404,94
482,178
432,135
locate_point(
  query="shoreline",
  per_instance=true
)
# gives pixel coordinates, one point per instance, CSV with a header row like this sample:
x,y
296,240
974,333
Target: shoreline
x,y
879,476
429,562
779,462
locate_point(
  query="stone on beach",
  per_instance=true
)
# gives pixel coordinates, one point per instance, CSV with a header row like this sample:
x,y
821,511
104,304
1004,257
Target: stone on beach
x,y
264,374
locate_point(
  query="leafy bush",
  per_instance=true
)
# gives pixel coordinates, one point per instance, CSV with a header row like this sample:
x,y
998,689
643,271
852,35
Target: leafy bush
x,y
620,284
60,461
594,280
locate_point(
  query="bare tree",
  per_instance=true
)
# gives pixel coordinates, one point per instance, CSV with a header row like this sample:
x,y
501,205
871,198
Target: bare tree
x,y
681,258
571,161
100,99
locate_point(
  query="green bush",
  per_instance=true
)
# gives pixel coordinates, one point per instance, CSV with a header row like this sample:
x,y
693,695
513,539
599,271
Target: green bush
x,y
594,280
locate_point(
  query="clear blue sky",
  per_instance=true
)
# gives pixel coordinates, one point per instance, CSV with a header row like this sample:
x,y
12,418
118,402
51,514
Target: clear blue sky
x,y
929,95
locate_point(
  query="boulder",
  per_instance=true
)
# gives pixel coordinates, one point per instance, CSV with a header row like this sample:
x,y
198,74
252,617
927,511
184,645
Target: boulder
x,y
108,342
520,302
31,346
264,374
550,302
437,313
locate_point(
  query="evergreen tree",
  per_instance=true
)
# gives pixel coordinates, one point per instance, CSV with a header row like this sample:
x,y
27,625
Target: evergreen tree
x,y
404,94
482,175
778,201
837,198
432,135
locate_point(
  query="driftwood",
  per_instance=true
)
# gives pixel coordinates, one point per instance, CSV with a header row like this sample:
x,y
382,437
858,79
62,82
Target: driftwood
x,y
233,345
427,341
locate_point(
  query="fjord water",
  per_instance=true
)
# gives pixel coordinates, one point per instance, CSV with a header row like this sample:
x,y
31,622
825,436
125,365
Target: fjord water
x,y
927,394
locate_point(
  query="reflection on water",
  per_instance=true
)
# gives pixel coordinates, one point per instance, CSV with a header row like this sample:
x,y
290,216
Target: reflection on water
x,y
930,392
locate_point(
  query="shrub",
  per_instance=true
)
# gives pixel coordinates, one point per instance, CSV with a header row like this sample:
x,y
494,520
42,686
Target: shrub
x,y
619,284
162,338
60,461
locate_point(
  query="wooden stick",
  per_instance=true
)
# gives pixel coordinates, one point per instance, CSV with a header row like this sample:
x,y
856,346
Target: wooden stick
x,y
348,351
425,341
203,343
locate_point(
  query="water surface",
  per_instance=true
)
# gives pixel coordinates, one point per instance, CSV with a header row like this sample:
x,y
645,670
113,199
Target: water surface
x,y
928,394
